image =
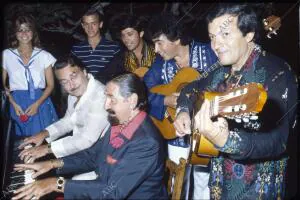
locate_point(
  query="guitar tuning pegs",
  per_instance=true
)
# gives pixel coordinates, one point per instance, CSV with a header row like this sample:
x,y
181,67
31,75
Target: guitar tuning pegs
x,y
245,119
243,107
236,108
238,120
253,117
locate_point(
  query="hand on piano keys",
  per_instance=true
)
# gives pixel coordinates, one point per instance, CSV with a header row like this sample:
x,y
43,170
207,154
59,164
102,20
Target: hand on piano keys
x,y
31,154
19,179
36,169
37,139
37,189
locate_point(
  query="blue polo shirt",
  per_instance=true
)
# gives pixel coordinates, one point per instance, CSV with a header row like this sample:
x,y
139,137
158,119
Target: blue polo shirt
x,y
96,60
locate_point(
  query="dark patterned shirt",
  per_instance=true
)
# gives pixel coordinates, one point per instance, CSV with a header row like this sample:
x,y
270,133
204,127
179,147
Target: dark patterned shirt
x,y
253,161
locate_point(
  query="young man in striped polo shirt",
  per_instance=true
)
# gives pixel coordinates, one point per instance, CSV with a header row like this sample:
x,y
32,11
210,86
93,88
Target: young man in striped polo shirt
x,y
96,52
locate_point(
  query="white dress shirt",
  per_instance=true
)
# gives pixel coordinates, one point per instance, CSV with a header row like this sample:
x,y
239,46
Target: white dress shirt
x,y
87,120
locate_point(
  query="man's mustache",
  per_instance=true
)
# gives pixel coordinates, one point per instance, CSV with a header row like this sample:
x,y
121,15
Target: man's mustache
x,y
110,111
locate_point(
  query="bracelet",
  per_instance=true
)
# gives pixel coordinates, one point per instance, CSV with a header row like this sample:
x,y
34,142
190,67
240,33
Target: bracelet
x,y
52,163
49,148
61,163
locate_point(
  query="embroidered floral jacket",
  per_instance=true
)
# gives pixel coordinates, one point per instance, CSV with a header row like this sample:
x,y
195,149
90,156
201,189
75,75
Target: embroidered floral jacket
x,y
162,72
252,163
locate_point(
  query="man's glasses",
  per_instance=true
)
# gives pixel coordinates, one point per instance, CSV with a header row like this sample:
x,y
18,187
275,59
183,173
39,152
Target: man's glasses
x,y
73,77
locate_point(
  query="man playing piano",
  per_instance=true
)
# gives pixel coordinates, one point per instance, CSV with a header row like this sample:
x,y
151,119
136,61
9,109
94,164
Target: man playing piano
x,y
85,116
129,159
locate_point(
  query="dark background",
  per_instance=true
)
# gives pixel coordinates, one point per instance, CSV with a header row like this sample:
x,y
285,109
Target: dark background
x,y
285,44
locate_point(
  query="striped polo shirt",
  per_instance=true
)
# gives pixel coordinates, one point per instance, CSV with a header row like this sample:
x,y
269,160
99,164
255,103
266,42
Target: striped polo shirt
x,y
96,60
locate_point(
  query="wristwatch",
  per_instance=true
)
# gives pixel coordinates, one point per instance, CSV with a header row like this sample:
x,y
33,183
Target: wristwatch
x,y
60,183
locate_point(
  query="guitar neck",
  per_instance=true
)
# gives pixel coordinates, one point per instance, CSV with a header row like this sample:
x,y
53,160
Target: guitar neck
x,y
210,69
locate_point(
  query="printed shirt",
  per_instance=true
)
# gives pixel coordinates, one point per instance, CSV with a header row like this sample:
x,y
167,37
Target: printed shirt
x,y
252,163
163,72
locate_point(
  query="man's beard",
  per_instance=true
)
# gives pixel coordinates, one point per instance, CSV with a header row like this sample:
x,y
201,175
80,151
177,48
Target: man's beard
x,y
113,120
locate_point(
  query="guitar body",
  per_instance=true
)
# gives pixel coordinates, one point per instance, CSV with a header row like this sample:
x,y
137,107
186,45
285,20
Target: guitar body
x,y
166,126
238,102
202,151
183,77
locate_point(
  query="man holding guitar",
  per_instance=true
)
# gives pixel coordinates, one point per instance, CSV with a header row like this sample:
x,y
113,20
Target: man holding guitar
x,y
181,61
252,160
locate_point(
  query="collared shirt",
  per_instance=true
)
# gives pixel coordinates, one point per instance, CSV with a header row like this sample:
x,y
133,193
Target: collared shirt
x,y
162,72
253,162
116,131
39,61
135,170
87,120
95,60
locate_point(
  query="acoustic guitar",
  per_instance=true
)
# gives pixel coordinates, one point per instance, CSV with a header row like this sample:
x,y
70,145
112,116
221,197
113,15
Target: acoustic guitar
x,y
241,103
141,71
183,77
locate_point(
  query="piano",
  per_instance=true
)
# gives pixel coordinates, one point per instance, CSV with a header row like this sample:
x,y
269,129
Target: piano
x,y
12,180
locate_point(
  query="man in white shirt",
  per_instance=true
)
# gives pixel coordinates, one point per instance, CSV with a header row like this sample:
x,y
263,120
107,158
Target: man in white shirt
x,y
85,116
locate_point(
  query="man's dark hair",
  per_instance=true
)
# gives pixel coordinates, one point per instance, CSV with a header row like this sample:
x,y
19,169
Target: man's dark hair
x,y
129,84
69,59
93,12
168,24
124,20
131,21
247,16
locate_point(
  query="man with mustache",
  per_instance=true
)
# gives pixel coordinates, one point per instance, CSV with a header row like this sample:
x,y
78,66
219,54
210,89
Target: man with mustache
x,y
129,159
85,116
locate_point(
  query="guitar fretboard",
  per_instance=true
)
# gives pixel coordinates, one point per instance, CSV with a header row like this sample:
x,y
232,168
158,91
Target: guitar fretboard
x,y
213,67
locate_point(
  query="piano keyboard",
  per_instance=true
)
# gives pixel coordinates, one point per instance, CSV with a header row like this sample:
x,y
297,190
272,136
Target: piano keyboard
x,y
19,179
14,180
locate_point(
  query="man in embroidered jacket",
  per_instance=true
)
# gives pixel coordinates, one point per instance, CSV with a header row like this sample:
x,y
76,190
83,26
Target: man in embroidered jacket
x,y
177,50
129,159
252,162
85,116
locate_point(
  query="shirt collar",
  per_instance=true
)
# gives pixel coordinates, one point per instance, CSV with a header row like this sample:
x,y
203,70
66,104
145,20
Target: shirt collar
x,y
131,127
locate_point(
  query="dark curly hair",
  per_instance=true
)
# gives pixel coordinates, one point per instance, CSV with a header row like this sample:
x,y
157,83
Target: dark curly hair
x,y
248,16
168,24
